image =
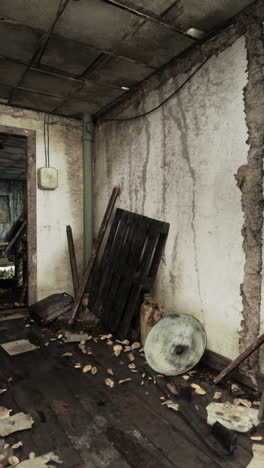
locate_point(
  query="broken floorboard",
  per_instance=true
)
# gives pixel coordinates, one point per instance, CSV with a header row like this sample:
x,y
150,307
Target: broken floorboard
x,y
87,424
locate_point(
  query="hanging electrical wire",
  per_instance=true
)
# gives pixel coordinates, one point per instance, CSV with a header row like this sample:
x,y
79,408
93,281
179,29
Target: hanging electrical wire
x,y
133,117
46,130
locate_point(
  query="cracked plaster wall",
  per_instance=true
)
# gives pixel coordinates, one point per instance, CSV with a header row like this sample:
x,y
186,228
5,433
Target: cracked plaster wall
x,y
197,163
55,209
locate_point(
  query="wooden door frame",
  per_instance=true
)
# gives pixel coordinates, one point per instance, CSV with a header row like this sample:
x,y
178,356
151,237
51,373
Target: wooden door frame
x,y
30,136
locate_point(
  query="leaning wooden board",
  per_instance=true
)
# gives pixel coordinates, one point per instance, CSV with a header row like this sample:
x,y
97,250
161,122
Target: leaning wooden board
x,y
127,269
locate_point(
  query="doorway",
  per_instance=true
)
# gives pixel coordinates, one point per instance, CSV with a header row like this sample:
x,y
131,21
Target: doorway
x,y
18,275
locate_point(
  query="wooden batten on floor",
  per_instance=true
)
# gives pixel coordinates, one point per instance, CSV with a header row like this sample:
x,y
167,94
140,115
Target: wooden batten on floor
x,y
218,362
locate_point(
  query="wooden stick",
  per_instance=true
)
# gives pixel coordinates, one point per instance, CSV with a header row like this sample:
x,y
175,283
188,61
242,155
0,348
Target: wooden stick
x,y
261,408
75,280
93,256
241,358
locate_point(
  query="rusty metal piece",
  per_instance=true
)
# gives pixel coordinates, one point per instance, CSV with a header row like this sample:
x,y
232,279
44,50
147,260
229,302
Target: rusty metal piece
x,y
93,256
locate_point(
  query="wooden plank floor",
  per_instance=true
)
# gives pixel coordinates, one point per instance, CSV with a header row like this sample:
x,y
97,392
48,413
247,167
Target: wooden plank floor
x,y
90,425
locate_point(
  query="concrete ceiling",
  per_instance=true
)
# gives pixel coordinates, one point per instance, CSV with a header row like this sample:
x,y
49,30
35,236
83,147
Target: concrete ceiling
x,y
12,157
74,56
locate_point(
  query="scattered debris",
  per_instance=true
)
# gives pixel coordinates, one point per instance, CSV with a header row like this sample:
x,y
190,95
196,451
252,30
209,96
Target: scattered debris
x,y
185,377
67,354
236,390
125,380
132,366
105,337
258,456
136,345
18,422
109,382
32,455
87,368
13,460
237,418
217,395
3,390
75,337
117,350
18,347
127,349
124,342
239,401
94,371
109,342
198,389
131,356
171,404
256,438
40,462
77,365
110,371
17,445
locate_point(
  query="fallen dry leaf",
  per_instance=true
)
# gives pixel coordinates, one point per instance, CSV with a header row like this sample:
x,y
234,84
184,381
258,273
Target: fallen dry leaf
x,y
117,350
185,377
95,340
131,356
109,342
109,382
53,339
136,345
46,344
162,398
127,349
141,350
13,460
124,342
256,438
60,335
31,455
236,390
85,351
110,371
6,446
125,380
27,325
87,368
171,404
131,365
66,354
17,445
217,395
198,389
143,375
78,365
94,371
82,342
240,401
89,352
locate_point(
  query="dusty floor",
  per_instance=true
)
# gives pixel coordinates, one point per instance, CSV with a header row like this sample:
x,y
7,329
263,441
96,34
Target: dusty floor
x,y
91,425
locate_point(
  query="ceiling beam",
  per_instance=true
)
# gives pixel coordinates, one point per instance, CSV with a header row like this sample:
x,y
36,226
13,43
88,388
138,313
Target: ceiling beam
x,y
147,15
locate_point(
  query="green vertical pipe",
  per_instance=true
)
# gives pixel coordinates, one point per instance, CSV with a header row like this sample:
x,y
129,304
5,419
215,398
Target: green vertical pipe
x,y
88,128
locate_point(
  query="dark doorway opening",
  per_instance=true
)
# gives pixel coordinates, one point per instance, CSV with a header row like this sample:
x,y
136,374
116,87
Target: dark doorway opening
x,y
17,218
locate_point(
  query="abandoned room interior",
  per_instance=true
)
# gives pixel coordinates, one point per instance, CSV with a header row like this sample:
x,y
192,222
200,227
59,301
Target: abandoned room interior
x,y
131,233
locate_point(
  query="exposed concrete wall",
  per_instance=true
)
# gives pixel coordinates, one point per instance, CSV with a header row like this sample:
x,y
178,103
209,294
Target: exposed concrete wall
x,y
55,209
186,164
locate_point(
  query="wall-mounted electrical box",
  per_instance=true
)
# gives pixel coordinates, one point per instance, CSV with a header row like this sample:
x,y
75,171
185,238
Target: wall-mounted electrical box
x,y
47,178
